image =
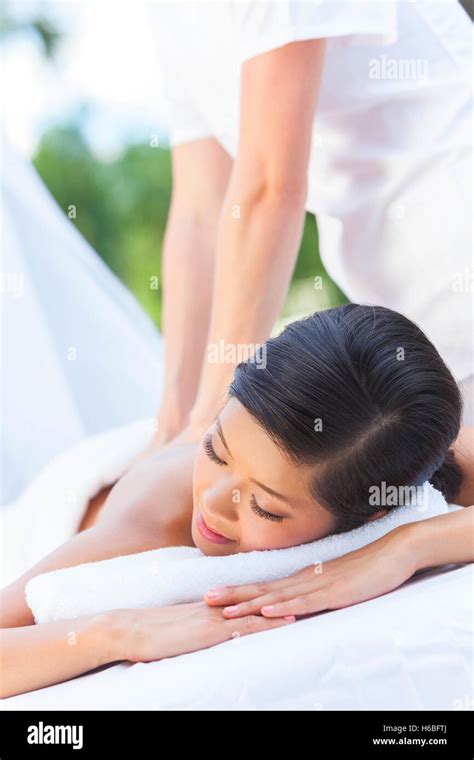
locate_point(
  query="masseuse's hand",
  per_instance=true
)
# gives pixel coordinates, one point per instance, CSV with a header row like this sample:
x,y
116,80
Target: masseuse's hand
x,y
191,434
158,480
363,574
143,635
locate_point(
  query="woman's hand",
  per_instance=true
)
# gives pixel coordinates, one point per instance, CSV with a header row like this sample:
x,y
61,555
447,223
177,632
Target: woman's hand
x,y
143,635
363,574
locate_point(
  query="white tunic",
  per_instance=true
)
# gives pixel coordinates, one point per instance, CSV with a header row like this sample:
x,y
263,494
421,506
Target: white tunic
x,y
389,175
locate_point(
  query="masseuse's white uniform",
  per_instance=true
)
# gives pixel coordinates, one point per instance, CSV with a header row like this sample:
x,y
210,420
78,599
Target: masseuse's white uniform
x,y
390,168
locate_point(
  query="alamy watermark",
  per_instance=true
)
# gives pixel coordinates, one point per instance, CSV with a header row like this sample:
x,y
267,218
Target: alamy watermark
x,y
414,69
12,283
42,733
234,353
384,495
463,281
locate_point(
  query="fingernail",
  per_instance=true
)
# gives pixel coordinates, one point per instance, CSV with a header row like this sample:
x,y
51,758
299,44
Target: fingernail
x,y
289,617
270,608
213,593
232,609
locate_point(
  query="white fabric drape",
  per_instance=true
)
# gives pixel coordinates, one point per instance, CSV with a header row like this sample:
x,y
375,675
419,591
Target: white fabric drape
x,y
78,353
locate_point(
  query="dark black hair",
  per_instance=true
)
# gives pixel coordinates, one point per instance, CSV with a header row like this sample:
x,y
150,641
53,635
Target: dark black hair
x,y
360,392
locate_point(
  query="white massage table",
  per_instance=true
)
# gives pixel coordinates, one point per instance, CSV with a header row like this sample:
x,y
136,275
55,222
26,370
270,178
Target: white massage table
x,y
410,649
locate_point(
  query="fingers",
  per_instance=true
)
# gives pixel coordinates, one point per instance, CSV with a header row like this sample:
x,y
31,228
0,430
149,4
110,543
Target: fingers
x,y
225,595
300,605
270,605
236,594
253,624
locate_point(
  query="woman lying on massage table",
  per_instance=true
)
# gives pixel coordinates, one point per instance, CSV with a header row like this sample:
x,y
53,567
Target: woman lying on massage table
x,y
344,401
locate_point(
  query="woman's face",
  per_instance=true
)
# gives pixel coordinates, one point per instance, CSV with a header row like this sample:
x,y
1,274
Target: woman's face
x,y
247,495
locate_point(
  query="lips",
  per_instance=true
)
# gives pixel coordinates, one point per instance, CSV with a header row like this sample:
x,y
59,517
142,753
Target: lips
x,y
208,533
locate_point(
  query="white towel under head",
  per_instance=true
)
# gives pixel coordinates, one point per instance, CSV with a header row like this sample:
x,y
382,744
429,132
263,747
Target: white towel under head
x,y
176,575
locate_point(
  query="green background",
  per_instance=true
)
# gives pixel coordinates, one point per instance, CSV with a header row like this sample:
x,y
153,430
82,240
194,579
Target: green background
x,y
121,208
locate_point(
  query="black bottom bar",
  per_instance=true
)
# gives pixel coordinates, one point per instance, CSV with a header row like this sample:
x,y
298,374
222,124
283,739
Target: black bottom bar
x,y
420,734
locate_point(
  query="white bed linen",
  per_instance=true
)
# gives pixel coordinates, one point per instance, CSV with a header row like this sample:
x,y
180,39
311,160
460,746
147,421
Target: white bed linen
x,y
409,649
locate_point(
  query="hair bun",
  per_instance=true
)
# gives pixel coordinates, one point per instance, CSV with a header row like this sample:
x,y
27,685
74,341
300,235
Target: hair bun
x,y
448,478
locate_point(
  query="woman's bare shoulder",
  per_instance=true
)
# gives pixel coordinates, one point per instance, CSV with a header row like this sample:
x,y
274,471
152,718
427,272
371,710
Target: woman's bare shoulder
x,y
150,507
157,491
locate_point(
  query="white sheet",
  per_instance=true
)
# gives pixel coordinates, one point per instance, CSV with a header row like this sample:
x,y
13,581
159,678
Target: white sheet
x,y
410,649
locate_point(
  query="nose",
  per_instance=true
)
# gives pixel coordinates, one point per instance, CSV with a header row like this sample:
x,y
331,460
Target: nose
x,y
221,501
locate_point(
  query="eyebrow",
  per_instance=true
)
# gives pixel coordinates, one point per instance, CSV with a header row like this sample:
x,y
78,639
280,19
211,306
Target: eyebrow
x,y
269,490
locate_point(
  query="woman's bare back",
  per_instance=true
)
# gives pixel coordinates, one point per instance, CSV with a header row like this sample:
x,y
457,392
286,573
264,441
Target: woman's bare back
x,y
148,508
94,508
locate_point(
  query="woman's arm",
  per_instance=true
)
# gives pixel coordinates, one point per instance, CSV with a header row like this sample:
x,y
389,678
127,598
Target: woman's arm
x,y
97,543
464,455
373,570
442,540
41,655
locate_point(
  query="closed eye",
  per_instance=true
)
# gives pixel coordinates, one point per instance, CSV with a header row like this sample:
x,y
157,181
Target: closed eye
x,y
209,449
262,512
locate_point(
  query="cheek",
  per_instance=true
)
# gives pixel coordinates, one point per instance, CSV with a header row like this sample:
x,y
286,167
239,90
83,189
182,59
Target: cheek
x,y
318,526
258,534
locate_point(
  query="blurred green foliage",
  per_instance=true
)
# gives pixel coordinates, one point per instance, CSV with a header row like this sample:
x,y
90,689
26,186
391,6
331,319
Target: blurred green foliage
x,y
44,30
121,209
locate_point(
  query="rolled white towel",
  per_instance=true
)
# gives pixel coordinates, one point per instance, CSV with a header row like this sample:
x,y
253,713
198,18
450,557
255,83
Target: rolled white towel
x,y
176,575
49,512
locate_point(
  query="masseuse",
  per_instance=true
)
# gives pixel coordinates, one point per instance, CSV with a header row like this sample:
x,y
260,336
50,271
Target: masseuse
x,y
356,111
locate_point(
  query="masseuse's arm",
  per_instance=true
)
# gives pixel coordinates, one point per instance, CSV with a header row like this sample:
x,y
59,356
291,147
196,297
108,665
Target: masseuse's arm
x,y
201,171
263,214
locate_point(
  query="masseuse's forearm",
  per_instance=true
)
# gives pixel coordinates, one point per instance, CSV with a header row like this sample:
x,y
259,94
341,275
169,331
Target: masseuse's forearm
x,y
36,656
258,241
443,540
187,270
